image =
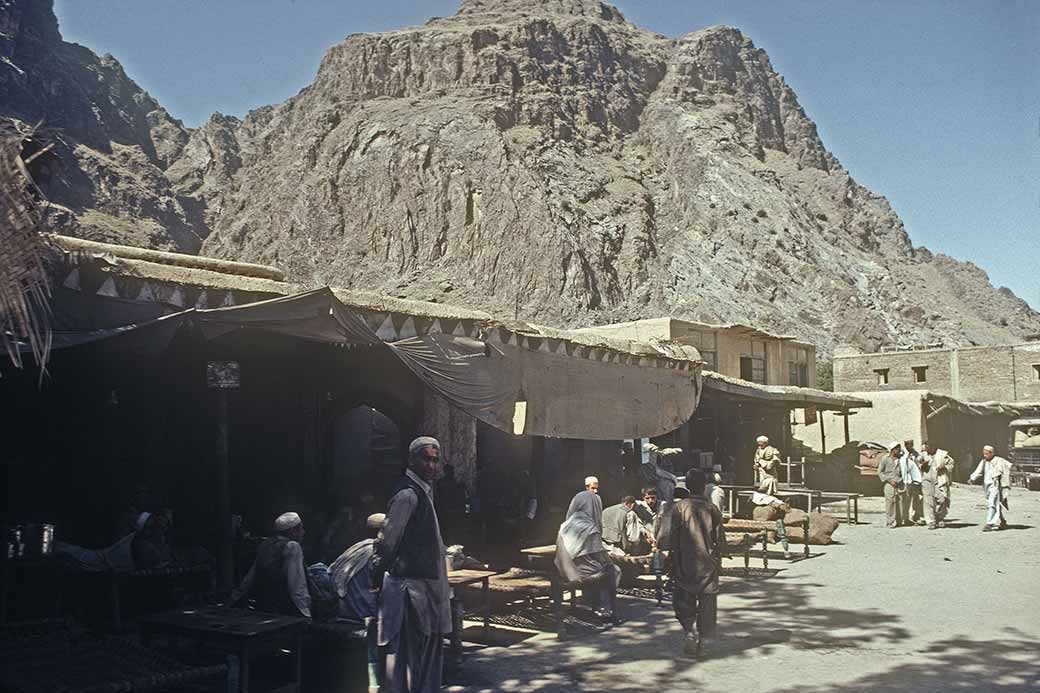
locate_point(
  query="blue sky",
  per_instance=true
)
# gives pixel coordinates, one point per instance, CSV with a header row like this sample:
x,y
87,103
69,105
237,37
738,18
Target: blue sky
x,y
934,104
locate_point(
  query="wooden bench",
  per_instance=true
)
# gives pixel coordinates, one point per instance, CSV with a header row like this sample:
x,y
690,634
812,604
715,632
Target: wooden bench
x,y
765,526
558,586
851,504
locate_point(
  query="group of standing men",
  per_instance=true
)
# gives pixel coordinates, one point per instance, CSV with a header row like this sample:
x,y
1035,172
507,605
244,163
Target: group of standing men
x,y
917,485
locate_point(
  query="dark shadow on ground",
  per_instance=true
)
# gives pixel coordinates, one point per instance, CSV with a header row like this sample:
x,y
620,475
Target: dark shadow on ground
x,y
959,664
653,643
1016,527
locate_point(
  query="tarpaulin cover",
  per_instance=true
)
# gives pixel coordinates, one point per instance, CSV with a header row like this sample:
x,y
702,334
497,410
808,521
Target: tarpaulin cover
x,y
564,396
314,315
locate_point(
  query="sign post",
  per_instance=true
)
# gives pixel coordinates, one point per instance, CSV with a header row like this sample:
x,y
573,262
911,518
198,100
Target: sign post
x,y
222,376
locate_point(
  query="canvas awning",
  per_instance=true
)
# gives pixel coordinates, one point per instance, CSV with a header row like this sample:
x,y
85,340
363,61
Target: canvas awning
x,y
506,377
782,396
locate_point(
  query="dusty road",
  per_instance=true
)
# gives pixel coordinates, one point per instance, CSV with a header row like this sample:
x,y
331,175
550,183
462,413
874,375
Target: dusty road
x,y
906,609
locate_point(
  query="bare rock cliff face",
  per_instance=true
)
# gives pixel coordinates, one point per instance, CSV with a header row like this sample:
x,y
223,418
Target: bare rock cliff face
x,y
548,159
113,142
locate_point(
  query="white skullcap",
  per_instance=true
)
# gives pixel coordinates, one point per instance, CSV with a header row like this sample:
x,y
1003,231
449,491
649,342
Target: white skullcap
x,y
376,521
893,445
422,442
590,480
286,521
762,439
141,521
988,447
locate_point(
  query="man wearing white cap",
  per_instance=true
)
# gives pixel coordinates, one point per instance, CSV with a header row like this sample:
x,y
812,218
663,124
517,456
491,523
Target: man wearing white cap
x,y
891,476
767,460
277,581
995,472
351,575
409,568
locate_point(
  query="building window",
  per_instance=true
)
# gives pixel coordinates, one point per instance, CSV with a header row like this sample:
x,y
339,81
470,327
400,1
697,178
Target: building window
x,y
753,369
798,374
920,374
710,359
1036,371
882,376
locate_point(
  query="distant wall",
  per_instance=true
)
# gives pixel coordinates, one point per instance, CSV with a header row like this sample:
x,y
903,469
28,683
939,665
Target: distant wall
x,y
972,374
896,415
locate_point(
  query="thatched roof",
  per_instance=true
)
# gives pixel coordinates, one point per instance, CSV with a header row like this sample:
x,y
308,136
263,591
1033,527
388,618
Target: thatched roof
x,y
392,318
24,290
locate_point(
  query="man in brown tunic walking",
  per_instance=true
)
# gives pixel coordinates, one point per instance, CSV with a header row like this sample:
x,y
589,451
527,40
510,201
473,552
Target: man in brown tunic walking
x,y
694,536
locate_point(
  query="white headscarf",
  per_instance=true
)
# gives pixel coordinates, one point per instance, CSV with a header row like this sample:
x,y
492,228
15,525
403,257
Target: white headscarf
x,y
580,532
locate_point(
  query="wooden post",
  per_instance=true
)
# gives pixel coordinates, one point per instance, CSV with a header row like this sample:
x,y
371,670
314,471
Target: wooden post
x,y
225,559
222,376
845,415
823,436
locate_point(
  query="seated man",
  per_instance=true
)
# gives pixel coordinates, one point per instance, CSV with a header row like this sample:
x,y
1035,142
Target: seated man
x,y
277,582
777,509
351,576
715,493
622,528
150,546
647,510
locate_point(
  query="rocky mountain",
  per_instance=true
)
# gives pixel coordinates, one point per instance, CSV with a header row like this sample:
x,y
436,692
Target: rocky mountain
x,y
539,158
112,142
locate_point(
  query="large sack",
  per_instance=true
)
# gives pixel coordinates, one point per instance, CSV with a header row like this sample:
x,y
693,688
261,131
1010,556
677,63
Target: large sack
x,y
821,527
766,513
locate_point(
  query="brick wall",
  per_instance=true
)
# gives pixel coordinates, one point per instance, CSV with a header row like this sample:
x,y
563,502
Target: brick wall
x,y
1027,384
986,374
971,374
859,373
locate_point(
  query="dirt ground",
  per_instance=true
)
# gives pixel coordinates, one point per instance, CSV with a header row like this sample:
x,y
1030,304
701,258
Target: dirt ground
x,y
906,609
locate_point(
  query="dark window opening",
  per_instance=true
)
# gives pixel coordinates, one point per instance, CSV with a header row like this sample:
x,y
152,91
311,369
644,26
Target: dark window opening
x,y
1036,371
920,374
711,360
753,369
882,376
798,374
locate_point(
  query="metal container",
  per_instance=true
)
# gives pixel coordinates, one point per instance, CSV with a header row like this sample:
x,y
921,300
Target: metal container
x,y
38,540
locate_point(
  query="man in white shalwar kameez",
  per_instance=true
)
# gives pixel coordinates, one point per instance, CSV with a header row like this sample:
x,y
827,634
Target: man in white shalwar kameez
x,y
995,473
408,567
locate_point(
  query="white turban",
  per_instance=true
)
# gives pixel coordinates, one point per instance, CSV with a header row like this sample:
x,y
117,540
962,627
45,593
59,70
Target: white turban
x,y
989,448
762,439
591,480
893,445
286,521
376,521
422,442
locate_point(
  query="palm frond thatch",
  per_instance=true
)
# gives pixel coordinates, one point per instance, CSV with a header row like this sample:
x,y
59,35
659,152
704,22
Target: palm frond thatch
x,y
24,291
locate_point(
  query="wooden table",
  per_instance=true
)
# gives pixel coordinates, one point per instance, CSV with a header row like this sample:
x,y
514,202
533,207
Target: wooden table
x,y
813,497
851,504
463,578
535,554
237,631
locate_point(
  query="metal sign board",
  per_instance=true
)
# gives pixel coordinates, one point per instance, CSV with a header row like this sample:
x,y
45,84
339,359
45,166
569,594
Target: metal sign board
x,y
223,375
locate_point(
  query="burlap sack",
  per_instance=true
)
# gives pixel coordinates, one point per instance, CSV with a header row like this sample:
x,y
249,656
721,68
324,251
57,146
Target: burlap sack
x,y
821,527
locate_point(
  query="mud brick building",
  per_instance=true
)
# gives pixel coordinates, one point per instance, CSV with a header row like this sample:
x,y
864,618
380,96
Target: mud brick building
x,y
1006,373
736,351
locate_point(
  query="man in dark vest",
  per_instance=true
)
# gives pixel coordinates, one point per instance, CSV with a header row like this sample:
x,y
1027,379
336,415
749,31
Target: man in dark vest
x,y
409,569
277,581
